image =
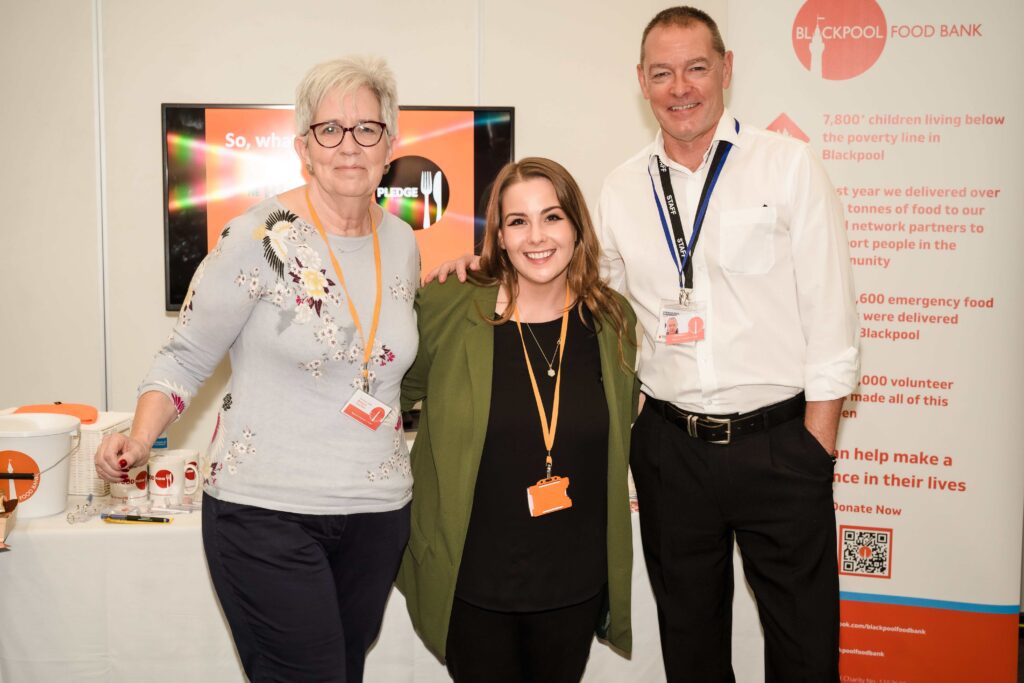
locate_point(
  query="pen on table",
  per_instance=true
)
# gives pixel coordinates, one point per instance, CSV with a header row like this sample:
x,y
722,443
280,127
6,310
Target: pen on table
x,y
141,519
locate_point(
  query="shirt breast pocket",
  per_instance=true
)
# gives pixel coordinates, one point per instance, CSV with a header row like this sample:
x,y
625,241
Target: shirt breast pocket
x,y
747,243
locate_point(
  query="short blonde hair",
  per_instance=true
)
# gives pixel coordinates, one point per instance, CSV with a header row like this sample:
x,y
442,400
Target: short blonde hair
x,y
347,75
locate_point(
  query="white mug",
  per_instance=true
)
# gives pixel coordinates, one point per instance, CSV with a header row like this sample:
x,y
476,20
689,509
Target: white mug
x,y
134,490
193,487
167,477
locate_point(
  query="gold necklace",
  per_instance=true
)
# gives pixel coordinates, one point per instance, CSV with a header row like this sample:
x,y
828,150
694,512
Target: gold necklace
x,y
550,363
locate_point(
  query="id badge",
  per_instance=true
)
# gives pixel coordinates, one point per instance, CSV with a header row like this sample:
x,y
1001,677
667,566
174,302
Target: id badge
x,y
548,495
366,410
681,323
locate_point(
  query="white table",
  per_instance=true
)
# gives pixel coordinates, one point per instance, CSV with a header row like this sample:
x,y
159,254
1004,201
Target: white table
x,y
119,602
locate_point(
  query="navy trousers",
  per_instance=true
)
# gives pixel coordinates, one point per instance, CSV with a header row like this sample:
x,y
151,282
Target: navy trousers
x,y
304,595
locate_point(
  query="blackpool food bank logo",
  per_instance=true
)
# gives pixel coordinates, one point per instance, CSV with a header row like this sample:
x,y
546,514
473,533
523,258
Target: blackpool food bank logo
x,y
839,39
16,462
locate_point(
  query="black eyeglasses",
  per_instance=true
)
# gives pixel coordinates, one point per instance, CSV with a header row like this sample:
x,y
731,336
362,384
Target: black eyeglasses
x,y
331,133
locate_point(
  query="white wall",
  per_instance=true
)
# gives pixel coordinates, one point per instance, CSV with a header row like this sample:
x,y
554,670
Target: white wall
x,y
51,314
567,67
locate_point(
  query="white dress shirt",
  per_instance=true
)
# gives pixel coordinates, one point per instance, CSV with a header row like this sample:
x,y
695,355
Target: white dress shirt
x,y
771,266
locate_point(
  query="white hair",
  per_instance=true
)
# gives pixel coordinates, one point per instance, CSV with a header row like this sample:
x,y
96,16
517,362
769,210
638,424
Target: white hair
x,y
347,75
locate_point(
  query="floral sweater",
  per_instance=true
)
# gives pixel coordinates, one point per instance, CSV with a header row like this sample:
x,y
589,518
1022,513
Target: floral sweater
x,y
268,296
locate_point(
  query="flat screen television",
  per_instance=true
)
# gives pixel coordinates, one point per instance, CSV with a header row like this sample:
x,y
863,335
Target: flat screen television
x,y
219,159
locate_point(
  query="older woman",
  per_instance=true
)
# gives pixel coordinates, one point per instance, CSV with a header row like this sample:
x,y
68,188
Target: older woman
x,y
520,546
308,479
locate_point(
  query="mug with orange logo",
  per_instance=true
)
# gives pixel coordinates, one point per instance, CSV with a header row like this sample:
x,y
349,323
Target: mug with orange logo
x,y
193,485
167,477
135,490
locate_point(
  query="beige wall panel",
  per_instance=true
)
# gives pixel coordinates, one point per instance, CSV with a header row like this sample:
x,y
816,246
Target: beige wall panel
x,y
51,345
233,51
569,68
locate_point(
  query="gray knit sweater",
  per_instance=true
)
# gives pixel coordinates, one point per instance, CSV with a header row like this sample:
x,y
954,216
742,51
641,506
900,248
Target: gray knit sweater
x,y
268,296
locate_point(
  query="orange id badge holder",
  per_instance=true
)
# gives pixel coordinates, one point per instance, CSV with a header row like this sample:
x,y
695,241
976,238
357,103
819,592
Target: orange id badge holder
x,y
548,495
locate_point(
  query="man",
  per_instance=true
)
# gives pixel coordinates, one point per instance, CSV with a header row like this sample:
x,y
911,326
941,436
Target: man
x,y
739,232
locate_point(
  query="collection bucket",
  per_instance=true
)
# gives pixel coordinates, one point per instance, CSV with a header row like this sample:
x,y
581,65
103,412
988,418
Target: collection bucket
x,y
34,450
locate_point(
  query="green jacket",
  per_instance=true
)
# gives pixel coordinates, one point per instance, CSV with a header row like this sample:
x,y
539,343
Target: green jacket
x,y
452,375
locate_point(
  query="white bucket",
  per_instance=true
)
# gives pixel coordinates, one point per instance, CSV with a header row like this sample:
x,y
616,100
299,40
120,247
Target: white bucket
x,y
37,444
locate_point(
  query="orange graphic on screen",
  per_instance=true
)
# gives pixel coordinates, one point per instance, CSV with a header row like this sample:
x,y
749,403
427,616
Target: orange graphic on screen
x,y
250,157
438,146
239,156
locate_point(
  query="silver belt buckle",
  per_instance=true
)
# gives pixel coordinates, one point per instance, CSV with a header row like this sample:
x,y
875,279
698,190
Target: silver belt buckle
x,y
712,421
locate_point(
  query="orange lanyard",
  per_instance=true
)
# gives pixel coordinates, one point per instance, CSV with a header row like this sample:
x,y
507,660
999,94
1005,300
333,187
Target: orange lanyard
x,y
367,341
549,432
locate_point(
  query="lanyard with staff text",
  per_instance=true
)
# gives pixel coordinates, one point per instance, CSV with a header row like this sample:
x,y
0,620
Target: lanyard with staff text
x,y
548,431
367,341
679,247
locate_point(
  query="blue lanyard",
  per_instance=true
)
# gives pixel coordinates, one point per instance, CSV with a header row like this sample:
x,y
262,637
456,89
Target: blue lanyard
x,y
681,250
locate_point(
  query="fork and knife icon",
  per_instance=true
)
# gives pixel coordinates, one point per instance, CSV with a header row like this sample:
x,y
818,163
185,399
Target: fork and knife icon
x,y
430,184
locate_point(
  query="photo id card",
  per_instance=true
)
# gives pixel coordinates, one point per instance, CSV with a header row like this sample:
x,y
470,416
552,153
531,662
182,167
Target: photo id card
x,y
681,324
366,410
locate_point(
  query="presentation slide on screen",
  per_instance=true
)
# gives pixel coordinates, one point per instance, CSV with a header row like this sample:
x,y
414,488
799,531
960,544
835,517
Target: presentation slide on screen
x,y
928,481
220,160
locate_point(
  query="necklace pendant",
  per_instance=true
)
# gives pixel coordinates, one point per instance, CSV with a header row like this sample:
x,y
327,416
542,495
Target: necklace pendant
x,y
551,372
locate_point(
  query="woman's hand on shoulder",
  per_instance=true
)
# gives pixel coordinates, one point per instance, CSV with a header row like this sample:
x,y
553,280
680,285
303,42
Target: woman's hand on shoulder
x,y
460,266
117,454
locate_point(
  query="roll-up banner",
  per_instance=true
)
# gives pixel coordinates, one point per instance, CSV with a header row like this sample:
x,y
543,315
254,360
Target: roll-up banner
x,y
915,108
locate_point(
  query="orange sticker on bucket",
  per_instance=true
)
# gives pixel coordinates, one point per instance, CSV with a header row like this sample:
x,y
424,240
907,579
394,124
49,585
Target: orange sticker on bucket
x,y
16,462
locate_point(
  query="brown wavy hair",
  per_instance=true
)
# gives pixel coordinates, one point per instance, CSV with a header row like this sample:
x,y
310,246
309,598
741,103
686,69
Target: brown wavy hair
x,y
584,268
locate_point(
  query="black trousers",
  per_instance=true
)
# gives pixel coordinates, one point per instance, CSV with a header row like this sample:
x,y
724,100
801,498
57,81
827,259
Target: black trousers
x,y
552,646
772,492
304,595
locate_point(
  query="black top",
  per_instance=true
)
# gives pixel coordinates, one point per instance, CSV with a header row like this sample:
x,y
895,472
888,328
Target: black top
x,y
514,562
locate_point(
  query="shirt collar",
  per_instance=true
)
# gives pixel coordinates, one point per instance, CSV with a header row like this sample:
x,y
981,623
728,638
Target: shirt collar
x,y
726,130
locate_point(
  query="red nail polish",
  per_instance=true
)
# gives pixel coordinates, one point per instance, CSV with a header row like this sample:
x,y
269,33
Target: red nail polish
x,y
123,463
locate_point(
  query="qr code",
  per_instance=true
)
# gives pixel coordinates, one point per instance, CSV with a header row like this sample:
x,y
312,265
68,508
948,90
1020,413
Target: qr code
x,y
865,551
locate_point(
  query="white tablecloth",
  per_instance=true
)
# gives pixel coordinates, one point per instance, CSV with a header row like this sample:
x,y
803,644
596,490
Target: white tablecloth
x,y
119,602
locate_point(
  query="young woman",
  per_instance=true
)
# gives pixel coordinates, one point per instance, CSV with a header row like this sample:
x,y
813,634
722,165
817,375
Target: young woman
x,y
520,538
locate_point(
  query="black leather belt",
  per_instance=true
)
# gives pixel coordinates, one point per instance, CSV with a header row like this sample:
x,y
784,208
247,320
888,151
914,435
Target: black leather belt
x,y
722,429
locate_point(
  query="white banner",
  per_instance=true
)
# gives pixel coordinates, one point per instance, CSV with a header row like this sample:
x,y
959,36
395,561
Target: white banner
x,y
915,108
